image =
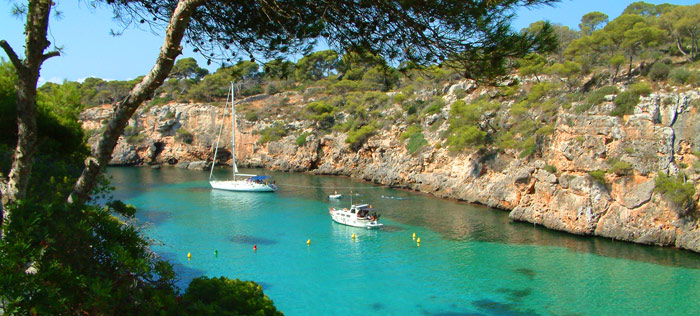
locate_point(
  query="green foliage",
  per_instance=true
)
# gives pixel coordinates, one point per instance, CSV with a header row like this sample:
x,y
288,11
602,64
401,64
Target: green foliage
x,y
625,103
436,104
316,66
322,112
550,169
410,131
598,176
301,140
416,142
640,88
226,297
468,136
399,98
528,147
683,76
187,68
627,100
88,261
357,137
184,136
271,133
620,167
659,71
596,97
676,190
251,116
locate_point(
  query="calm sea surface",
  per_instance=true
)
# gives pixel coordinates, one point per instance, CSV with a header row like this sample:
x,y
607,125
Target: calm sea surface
x,y
471,260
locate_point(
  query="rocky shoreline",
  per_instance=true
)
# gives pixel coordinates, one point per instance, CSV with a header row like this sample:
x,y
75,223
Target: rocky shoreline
x,y
555,189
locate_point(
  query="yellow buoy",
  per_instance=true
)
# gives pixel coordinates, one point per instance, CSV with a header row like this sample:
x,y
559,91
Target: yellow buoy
x,y
418,240
189,255
414,235
353,236
308,242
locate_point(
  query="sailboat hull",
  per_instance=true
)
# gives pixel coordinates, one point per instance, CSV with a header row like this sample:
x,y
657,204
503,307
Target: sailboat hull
x,y
242,186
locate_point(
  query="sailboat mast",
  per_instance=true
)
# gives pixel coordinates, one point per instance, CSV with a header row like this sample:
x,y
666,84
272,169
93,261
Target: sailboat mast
x,y
233,132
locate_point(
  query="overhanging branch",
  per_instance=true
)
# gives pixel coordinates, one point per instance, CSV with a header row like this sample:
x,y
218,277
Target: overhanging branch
x,y
11,53
49,55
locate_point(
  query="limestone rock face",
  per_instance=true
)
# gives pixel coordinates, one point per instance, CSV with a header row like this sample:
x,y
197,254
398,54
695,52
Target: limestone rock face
x,y
658,137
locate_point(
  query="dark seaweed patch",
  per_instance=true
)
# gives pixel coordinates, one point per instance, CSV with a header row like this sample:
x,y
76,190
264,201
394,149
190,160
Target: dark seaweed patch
x,y
516,295
377,306
498,308
527,272
246,239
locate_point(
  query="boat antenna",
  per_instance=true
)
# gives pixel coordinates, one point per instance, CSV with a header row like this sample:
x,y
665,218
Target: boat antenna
x,y
233,133
221,129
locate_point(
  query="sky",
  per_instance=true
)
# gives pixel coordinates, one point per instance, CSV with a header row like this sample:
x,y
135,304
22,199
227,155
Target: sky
x,y
88,49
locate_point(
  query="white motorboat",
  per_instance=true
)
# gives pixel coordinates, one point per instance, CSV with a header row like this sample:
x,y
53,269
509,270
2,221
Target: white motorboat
x,y
335,196
357,216
240,182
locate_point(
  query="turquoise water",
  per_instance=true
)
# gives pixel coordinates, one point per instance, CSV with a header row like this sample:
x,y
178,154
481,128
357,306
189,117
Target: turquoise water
x,y
471,261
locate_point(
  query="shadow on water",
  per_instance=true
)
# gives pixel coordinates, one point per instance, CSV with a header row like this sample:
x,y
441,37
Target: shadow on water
x,y
516,295
246,239
377,306
461,221
153,217
185,272
526,272
497,308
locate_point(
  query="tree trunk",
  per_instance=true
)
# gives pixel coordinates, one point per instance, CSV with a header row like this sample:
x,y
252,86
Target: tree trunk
x,y
171,48
36,27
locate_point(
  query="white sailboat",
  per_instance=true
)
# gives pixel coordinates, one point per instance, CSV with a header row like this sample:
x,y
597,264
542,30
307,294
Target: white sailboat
x,y
240,182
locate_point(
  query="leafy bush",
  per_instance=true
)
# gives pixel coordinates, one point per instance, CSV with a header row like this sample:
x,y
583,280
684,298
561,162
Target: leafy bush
x,y
413,129
598,96
620,167
436,104
625,103
251,116
226,297
528,147
466,136
301,140
679,75
184,136
399,98
271,133
87,259
357,137
659,71
640,88
676,190
416,142
550,169
598,176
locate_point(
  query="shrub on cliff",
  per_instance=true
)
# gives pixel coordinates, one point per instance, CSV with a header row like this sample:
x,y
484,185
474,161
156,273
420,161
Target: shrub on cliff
x,y
415,143
626,101
271,133
676,190
301,140
357,137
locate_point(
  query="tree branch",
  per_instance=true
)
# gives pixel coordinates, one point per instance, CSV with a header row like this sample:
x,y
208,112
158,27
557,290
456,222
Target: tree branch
x,y
170,49
49,55
11,53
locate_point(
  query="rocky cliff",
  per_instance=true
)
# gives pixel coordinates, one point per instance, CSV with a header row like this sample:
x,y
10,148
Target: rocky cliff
x,y
553,188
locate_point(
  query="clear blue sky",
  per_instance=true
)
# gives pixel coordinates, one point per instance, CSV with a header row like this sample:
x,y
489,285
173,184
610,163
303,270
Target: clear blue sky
x,y
89,50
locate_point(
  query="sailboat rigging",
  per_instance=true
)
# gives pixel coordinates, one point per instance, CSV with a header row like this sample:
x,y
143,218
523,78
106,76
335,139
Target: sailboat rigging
x,y
239,182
